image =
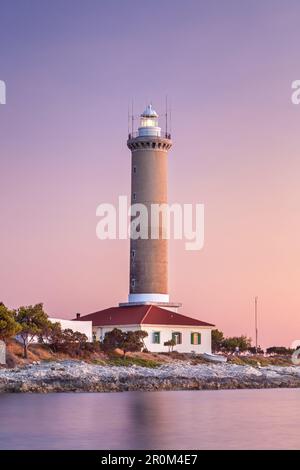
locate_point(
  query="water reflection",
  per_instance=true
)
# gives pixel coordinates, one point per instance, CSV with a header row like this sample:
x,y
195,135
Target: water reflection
x,y
234,419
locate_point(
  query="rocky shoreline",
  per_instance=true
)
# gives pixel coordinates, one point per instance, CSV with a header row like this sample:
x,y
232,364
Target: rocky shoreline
x,y
74,376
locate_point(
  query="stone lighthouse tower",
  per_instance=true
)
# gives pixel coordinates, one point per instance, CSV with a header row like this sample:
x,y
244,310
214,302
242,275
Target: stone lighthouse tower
x,y
148,308
149,185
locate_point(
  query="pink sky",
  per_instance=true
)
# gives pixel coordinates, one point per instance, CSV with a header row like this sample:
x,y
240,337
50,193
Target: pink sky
x,y
70,69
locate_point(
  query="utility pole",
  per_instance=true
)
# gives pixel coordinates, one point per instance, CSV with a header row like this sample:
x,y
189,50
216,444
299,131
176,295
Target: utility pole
x,y
256,328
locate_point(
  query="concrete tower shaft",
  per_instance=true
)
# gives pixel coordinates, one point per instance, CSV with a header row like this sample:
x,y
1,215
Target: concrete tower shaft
x,y
149,185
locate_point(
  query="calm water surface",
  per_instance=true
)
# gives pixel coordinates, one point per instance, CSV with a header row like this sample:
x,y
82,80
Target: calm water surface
x,y
233,419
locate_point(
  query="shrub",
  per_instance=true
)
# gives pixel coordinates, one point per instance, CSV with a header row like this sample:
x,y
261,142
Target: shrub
x,y
70,342
171,343
242,343
252,350
132,341
280,350
217,338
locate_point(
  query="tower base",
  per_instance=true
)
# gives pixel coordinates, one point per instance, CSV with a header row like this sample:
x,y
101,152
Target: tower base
x,y
173,306
148,298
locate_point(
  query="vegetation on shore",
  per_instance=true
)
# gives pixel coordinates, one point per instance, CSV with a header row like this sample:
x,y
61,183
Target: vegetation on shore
x,y
242,344
43,353
41,340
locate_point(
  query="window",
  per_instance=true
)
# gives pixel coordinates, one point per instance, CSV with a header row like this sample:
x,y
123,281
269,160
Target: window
x,y
134,169
156,337
132,282
149,122
132,254
195,338
134,196
177,337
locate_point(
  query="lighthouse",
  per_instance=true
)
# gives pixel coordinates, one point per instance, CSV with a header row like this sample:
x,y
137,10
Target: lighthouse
x,y
149,146
149,307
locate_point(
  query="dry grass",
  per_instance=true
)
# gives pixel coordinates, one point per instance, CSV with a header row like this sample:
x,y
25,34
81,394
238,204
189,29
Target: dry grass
x,y
37,352
148,356
260,360
42,352
15,354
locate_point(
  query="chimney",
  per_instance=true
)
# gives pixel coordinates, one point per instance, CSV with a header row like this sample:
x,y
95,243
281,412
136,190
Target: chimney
x,y
77,316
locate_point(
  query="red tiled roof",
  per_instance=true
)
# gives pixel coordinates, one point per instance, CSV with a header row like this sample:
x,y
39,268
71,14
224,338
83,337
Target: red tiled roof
x,y
140,314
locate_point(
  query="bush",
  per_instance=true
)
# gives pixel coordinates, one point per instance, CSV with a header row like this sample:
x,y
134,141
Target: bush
x,y
252,350
230,344
217,338
280,350
70,342
112,340
242,343
127,341
171,343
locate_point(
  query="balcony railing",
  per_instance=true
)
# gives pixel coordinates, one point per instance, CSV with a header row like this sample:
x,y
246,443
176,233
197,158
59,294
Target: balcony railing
x,y
162,134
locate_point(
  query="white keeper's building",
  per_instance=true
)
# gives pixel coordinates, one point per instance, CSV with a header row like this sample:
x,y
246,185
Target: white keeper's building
x,y
190,335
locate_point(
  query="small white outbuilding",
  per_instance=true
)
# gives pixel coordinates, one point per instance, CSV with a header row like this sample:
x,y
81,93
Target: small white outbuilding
x,y
84,327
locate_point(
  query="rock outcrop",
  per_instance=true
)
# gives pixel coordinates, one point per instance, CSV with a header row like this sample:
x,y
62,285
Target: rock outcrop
x,y
74,376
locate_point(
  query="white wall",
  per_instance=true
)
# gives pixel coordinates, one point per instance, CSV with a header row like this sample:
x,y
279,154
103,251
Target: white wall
x,y
101,331
185,346
166,335
75,325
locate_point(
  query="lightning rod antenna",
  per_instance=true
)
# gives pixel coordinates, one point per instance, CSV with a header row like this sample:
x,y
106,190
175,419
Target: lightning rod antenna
x,y
170,111
132,117
128,120
166,115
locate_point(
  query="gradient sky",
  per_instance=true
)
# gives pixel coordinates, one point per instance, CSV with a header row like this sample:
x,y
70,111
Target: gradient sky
x,y
71,68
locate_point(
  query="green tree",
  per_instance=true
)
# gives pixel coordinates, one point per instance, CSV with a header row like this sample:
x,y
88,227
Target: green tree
x,y
33,321
112,340
8,325
232,343
53,335
74,342
133,341
125,340
47,332
70,342
171,343
217,338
